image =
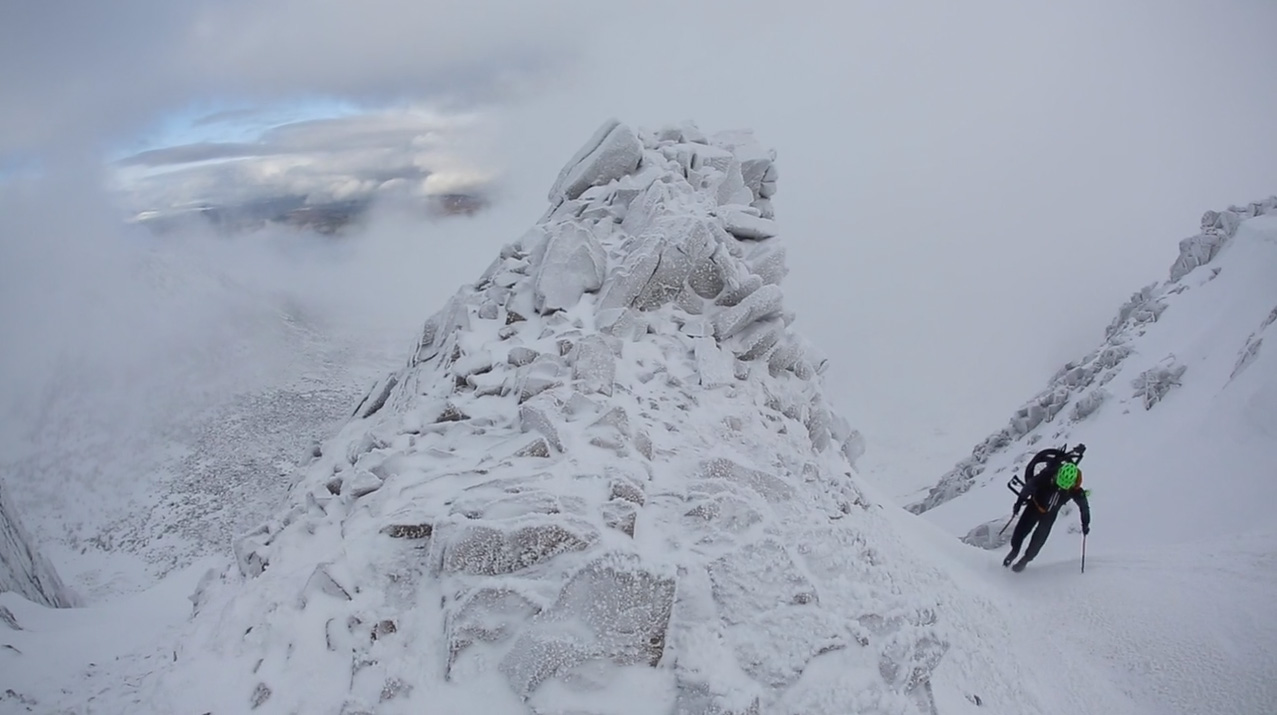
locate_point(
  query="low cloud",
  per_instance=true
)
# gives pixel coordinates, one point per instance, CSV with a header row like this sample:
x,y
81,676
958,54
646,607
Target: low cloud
x,y
405,153
188,153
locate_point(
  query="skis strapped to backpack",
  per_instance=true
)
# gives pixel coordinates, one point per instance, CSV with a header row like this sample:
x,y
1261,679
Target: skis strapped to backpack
x,y
1016,485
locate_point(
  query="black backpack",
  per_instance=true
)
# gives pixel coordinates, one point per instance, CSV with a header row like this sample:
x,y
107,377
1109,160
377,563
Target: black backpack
x,y
1052,459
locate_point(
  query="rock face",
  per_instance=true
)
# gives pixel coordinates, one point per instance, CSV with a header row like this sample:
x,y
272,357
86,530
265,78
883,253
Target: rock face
x,y
607,465
22,568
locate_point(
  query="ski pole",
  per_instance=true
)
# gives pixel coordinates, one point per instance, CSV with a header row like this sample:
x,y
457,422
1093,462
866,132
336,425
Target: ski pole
x,y
1083,553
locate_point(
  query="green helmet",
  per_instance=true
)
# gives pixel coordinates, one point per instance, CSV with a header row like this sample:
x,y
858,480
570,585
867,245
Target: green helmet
x,y
1067,475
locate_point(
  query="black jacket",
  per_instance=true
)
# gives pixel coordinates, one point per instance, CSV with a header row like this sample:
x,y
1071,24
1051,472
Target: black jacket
x,y
1040,491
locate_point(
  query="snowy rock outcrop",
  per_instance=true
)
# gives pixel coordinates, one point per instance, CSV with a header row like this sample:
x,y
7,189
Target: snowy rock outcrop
x,y
22,568
1153,384
1218,228
1254,341
607,468
1086,386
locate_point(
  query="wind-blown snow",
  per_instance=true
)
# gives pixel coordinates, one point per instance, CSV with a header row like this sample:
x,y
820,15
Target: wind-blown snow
x,y
623,495
1178,408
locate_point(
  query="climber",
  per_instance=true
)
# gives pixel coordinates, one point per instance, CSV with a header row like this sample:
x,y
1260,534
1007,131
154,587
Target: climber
x,y
1045,492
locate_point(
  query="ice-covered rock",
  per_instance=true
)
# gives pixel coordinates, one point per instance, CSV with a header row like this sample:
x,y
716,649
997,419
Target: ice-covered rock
x,y
1218,228
613,152
1154,383
743,224
572,265
1250,350
23,569
990,535
594,365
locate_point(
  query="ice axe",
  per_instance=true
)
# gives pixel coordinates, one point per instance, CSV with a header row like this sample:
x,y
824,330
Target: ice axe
x,y
1004,527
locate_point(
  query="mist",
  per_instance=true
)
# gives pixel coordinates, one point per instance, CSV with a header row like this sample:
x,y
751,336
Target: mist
x,y
107,324
967,194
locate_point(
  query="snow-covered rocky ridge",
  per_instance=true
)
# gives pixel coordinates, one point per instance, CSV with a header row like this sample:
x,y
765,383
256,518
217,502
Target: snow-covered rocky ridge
x,y
605,481
23,569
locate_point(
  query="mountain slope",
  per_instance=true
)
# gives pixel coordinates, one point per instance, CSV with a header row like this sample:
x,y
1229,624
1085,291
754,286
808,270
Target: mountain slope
x,y
1178,408
606,481
213,370
1191,331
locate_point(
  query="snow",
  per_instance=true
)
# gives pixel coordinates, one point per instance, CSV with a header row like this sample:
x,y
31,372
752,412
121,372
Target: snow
x,y
494,530
607,480
81,650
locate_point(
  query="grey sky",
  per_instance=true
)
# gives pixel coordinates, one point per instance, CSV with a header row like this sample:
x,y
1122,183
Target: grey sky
x,y
969,190
71,71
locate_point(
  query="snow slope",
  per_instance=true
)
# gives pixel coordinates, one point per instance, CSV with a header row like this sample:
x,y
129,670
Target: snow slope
x,y
88,656
1178,408
606,481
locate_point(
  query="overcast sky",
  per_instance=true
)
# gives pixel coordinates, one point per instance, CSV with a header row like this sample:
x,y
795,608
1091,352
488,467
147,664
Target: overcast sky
x,y
969,190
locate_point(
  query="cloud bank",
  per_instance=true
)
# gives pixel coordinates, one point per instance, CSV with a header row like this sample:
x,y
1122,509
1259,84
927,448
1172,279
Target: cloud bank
x,y
399,153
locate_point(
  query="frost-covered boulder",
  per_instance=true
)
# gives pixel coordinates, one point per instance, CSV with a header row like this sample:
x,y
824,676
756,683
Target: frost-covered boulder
x,y
614,609
23,569
1218,228
571,264
1141,308
1154,383
1089,403
990,535
749,225
611,153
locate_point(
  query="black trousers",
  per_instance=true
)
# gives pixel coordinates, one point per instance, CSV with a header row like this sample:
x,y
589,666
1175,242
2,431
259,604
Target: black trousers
x,y
1029,519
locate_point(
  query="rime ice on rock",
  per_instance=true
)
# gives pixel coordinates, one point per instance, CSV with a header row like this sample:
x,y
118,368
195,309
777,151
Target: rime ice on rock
x,y
22,568
1218,228
1154,383
609,453
611,153
1250,350
572,264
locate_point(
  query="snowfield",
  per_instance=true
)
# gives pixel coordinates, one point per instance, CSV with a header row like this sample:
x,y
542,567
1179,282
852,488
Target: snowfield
x,y
607,480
